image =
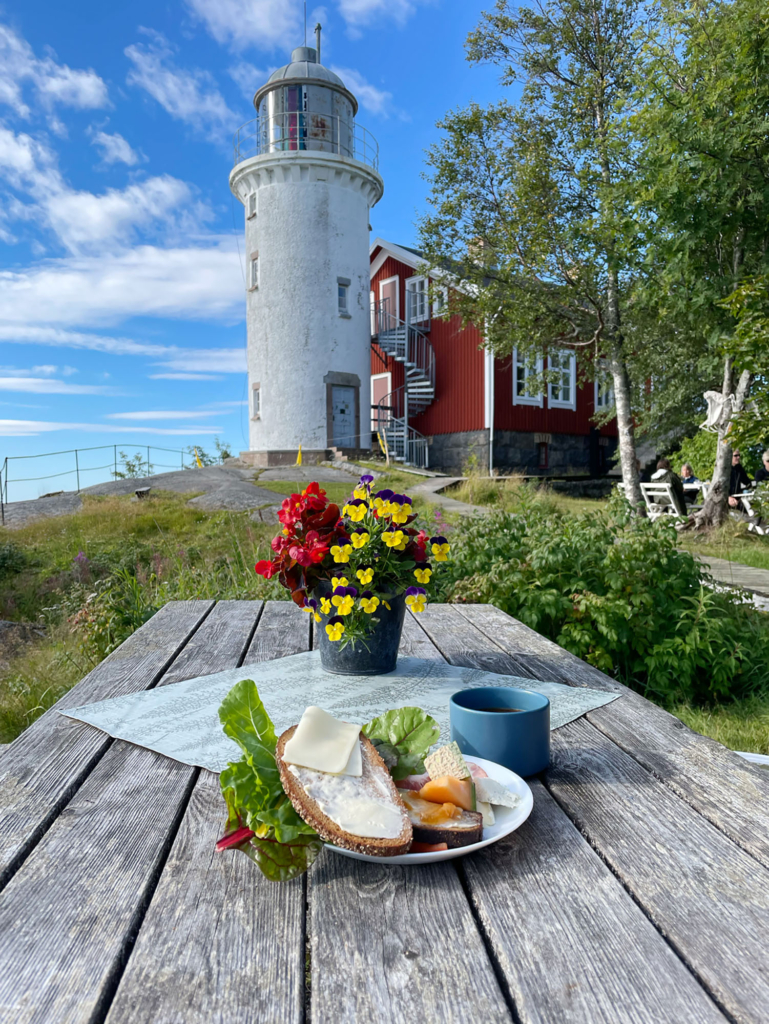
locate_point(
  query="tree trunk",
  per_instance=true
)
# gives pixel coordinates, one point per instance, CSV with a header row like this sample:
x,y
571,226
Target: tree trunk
x,y
626,431
715,511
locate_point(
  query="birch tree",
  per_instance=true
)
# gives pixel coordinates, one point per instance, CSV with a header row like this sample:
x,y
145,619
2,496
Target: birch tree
x,y
530,204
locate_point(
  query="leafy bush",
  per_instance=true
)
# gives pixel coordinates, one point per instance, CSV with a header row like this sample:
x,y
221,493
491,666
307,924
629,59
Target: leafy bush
x,y
700,452
615,590
12,559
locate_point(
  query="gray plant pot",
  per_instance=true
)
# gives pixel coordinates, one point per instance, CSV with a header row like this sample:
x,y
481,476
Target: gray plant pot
x,y
380,653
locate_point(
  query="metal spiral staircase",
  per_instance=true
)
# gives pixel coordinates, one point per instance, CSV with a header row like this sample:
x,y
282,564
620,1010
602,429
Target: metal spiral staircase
x,y
406,344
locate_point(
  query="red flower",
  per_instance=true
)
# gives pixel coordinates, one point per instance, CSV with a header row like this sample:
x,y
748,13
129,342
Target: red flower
x,y
266,568
312,552
279,543
314,497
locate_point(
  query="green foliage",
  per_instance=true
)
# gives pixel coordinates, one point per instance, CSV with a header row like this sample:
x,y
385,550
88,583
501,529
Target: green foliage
x,y
617,592
699,451
12,559
132,467
749,346
407,734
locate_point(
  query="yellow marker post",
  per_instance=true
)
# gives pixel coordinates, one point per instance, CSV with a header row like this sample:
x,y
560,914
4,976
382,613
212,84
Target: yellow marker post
x,y
299,456
197,459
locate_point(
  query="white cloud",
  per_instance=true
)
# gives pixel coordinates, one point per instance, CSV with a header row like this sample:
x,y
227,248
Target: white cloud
x,y
360,13
375,101
195,282
225,360
189,96
247,78
31,428
36,371
46,386
115,149
240,23
55,83
158,415
183,376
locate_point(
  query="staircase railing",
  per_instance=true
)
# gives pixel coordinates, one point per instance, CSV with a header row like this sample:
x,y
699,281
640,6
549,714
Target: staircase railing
x,y
404,443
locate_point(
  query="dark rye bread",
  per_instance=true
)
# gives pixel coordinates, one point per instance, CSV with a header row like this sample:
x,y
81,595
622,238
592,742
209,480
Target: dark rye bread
x,y
327,829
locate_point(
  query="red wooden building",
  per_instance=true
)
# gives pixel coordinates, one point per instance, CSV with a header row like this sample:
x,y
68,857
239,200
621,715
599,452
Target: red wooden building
x,y
439,398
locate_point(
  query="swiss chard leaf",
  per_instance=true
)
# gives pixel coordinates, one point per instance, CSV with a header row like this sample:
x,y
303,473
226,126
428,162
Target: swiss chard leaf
x,y
411,732
286,822
281,862
245,720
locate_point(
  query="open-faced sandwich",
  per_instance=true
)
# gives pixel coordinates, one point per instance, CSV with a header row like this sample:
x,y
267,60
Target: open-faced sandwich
x,y
374,790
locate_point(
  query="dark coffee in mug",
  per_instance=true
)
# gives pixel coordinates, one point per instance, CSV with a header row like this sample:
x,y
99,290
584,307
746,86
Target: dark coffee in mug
x,y
501,710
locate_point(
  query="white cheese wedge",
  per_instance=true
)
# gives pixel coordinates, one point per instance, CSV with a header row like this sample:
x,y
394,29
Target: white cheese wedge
x,y
491,792
486,811
325,744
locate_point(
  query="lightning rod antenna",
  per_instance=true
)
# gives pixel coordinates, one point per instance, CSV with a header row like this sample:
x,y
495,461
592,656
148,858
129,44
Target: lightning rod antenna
x,y
305,22
317,42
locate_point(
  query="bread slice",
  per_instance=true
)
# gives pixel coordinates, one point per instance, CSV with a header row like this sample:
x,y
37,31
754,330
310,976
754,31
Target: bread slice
x,y
375,778
463,830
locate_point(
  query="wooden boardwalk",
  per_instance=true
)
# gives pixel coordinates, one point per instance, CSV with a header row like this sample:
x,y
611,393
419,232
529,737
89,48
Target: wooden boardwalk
x,y
736,575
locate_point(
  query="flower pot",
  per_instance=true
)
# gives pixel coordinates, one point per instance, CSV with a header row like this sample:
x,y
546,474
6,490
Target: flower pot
x,y
374,654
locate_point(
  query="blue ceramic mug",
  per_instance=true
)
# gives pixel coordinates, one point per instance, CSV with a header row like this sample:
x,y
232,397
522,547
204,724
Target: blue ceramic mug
x,y
518,739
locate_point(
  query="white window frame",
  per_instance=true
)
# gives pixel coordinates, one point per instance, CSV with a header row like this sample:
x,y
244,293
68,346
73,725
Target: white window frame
x,y
529,371
343,297
389,280
560,403
379,376
251,209
256,401
603,389
413,291
441,304
253,272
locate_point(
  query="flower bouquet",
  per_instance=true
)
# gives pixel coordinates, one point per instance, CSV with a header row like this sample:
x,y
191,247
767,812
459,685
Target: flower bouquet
x,y
355,571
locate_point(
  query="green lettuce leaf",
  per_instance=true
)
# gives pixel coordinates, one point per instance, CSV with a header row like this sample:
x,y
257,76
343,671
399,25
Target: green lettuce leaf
x,y
280,862
283,845
410,732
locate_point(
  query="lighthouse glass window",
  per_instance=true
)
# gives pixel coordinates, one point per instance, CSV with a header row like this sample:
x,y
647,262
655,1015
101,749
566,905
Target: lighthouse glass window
x,y
342,297
254,273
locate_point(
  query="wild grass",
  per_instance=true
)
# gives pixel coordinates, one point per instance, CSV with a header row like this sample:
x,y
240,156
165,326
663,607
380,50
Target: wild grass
x,y
733,542
507,493
739,725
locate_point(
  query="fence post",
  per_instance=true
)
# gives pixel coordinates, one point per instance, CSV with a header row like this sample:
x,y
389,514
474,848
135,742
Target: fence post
x,y
115,455
77,470
2,499
148,462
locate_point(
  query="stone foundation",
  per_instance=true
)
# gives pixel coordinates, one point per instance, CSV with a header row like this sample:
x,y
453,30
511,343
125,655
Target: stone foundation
x,y
266,460
516,452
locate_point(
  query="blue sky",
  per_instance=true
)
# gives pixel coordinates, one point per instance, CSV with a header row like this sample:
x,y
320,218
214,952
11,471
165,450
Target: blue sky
x,y
121,279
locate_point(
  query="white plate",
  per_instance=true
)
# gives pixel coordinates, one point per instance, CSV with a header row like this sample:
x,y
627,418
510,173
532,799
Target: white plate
x,y
507,820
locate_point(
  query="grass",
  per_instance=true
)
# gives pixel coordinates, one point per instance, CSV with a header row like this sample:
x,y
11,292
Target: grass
x,y
506,493
742,725
732,542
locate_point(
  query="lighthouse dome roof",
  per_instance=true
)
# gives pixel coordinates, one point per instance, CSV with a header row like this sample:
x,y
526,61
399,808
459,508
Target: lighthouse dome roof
x,y
304,68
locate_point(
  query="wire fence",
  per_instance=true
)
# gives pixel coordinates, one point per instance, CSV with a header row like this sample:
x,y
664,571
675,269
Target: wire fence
x,y
80,467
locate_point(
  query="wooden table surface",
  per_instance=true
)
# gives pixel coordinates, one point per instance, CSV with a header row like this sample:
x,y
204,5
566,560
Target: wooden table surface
x,y
638,890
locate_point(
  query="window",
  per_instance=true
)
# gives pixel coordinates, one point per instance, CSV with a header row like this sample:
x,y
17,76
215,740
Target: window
x,y
523,371
562,391
256,401
604,390
417,304
252,205
343,295
542,455
441,303
253,273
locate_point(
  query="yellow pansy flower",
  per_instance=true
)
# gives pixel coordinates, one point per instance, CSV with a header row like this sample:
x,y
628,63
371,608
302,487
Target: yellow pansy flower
x,y
325,605
360,492
334,630
392,538
400,513
355,512
369,604
360,540
365,575
416,602
338,581
343,604
423,575
440,552
387,606
341,552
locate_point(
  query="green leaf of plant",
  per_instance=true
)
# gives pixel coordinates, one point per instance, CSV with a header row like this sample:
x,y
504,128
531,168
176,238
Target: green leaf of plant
x,y
280,862
245,720
411,731
286,822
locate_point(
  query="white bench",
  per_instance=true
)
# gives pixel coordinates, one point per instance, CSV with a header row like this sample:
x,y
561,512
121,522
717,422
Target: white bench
x,y
660,501
755,524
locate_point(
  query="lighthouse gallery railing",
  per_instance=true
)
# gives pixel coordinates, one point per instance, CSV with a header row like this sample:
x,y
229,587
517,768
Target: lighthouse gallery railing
x,y
306,130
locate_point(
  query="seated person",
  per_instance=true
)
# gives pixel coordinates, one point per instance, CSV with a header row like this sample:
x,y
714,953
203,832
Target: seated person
x,y
738,481
665,475
763,473
688,477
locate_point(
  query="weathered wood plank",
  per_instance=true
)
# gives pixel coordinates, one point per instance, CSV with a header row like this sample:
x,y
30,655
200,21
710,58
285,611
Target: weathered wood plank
x,y
414,641
397,944
694,766
703,892
220,644
284,629
67,913
42,768
462,643
219,942
574,946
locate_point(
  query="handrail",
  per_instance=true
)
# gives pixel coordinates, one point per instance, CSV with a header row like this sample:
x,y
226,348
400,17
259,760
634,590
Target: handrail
x,y
309,130
415,347
391,418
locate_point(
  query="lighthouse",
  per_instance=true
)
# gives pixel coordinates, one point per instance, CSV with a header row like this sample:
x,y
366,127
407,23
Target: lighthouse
x,y
307,175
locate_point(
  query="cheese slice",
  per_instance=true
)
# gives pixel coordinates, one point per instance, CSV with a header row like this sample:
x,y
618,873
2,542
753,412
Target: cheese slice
x,y
486,811
491,792
325,744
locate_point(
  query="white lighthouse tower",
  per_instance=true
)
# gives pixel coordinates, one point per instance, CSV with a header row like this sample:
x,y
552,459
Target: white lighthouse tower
x,y
307,176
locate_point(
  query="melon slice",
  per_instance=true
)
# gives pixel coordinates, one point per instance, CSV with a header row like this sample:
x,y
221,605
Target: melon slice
x,y
448,790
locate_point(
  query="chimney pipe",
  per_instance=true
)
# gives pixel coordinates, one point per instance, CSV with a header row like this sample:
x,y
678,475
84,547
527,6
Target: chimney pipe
x,y
317,42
